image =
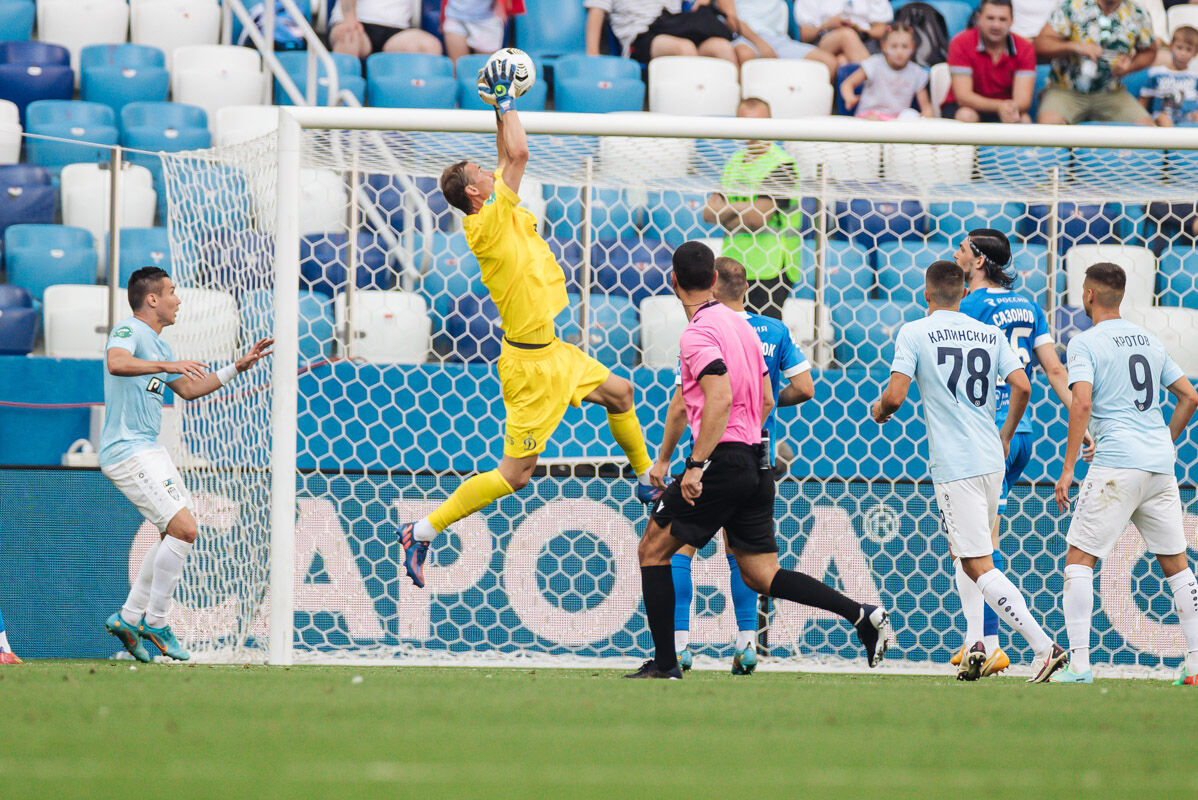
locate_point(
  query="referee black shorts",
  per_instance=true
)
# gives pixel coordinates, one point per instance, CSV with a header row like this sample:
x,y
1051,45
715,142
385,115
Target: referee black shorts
x,y
738,496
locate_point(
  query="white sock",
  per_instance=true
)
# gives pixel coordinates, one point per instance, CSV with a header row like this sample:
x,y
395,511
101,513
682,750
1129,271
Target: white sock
x,y
973,604
139,592
643,479
1006,600
991,641
1078,604
423,531
168,566
745,639
681,640
1185,600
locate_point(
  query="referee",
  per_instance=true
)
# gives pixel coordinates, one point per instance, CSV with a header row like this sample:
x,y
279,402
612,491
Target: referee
x,y
727,483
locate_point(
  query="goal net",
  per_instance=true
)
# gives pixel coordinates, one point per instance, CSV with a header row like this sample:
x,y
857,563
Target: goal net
x,y
384,379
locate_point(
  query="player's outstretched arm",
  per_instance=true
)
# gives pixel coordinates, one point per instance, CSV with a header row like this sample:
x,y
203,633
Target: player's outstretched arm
x,y
124,364
892,398
511,140
675,427
190,388
1187,404
1079,420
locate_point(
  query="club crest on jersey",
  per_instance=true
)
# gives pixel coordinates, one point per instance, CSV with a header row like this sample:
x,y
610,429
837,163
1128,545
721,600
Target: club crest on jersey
x,y
155,386
123,332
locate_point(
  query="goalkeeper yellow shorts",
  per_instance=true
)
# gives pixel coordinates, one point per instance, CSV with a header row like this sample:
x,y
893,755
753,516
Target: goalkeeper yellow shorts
x,y
538,385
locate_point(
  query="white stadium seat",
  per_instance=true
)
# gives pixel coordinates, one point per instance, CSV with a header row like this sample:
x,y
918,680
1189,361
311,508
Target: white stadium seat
x,y
168,24
75,24
845,161
939,82
1181,16
793,87
1177,328
214,76
86,193
532,197
206,327
1138,262
76,319
324,198
387,326
236,124
922,164
693,85
662,322
1160,20
10,133
798,315
645,157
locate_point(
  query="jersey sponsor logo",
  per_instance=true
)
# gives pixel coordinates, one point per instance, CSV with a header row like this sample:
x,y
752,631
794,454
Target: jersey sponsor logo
x,y
123,332
155,386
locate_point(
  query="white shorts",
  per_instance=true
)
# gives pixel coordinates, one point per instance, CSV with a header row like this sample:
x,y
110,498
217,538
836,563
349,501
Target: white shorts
x,y
968,508
1109,498
482,36
784,46
151,482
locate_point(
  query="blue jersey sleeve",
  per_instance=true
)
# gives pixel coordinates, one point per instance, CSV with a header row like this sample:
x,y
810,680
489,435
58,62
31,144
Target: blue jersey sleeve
x,y
906,355
1041,334
791,361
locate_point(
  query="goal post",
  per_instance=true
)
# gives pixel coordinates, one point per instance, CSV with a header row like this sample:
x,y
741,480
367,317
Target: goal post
x,y
383,394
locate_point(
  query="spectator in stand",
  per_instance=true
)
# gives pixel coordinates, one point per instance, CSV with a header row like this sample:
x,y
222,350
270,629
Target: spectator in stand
x,y
993,70
1171,93
642,25
848,29
475,26
763,34
892,81
363,27
1030,16
1093,44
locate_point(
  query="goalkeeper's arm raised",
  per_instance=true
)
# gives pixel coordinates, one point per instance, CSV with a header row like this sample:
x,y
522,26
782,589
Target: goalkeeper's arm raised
x,y
511,143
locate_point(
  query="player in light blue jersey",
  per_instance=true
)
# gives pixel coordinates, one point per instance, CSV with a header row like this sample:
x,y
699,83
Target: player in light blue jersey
x,y
790,377
956,361
984,255
140,365
1116,371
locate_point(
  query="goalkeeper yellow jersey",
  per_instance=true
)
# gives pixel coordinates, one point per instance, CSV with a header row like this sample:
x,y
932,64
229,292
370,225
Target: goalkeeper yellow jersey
x,y
518,269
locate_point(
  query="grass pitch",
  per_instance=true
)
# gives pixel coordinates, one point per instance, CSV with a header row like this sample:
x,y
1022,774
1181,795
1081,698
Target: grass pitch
x,y
98,729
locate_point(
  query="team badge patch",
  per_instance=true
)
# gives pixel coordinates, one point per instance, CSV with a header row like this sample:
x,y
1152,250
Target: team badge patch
x,y
123,332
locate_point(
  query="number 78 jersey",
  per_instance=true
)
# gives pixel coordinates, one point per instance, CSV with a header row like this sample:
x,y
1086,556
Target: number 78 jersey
x,y
1128,367
956,362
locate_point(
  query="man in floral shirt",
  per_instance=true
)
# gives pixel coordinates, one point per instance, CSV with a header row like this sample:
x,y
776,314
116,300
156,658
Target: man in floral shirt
x,y
1093,44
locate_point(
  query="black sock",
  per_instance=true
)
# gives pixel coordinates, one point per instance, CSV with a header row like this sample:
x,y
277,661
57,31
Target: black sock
x,y
798,587
657,584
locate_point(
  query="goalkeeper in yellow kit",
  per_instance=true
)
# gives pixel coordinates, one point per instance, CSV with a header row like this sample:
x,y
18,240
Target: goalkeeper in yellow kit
x,y
540,375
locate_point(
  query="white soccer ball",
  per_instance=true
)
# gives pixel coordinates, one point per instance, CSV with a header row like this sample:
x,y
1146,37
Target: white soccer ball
x,y
524,71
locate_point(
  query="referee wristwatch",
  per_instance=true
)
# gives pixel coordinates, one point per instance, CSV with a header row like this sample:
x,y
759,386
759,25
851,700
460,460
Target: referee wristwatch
x,y
693,464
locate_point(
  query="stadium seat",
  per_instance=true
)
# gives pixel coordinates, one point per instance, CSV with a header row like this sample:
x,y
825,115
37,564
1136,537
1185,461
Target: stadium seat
x,y
662,321
143,247
93,124
233,260
949,221
167,127
10,132
793,87
1180,15
18,331
14,297
634,268
1138,262
467,82
843,161
316,332
37,256
1098,166
214,198
1077,223
939,82
444,218
921,164
1160,20
117,74
1177,329
643,158
74,24
452,272
613,332
849,275
236,124
1029,265
16,20
26,195
956,14
872,222
387,327
74,319
86,197
549,29
323,201
31,71
211,76
1021,165
168,24
615,213
865,332
597,84
349,77
472,329
798,315
323,268
693,85
568,254
206,327
842,74
1178,277
900,270
675,217
410,80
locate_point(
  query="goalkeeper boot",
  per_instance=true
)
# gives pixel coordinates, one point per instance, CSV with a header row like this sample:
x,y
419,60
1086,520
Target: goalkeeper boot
x,y
1186,678
1067,675
1055,659
744,661
414,553
685,659
128,635
650,670
9,657
970,668
957,656
996,662
164,639
871,631
649,494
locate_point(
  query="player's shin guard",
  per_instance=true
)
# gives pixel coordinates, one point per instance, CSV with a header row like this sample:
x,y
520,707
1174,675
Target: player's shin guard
x,y
744,603
1077,601
680,571
475,493
1185,600
657,584
626,430
798,587
1004,598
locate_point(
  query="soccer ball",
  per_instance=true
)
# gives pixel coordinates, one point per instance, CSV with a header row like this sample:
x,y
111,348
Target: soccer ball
x,y
525,72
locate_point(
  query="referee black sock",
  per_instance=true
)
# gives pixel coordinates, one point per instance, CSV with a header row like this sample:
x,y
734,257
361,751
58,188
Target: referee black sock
x,y
798,587
657,584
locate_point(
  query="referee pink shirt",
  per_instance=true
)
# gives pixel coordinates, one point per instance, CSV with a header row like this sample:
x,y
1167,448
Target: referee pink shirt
x,y
718,332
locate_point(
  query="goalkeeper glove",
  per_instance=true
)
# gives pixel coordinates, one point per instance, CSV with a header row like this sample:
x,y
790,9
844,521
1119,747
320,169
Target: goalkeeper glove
x,y
498,76
484,90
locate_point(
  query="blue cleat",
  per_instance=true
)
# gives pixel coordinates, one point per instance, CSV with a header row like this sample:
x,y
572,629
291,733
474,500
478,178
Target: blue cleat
x,y
128,636
1067,675
685,659
414,553
744,661
164,639
649,494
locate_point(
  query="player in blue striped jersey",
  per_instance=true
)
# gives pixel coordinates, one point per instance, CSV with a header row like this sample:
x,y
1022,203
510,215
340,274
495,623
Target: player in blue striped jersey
x,y
790,376
984,255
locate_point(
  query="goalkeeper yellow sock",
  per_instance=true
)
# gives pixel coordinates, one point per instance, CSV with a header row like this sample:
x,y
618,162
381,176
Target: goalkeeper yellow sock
x,y
626,430
475,493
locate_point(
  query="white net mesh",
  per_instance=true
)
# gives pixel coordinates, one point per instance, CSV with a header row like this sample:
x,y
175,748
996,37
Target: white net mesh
x,y
399,400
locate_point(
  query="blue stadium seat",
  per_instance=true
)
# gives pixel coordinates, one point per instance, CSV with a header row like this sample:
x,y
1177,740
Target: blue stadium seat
x,y
31,71
1070,321
1180,163
1078,223
18,331
614,328
872,222
615,213
1134,82
850,275
675,217
865,332
950,221
37,256
323,268
634,268
842,74
26,195
1043,73
315,321
1177,273
1098,165
956,14
15,297
410,80
388,193
901,267
467,81
166,127
349,76
143,247
597,84
454,272
550,29
568,253
1029,265
16,20
1021,164
119,74
234,260
91,123
473,329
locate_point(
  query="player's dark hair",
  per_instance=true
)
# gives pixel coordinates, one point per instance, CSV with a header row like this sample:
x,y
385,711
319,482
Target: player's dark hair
x,y
694,266
730,280
754,102
454,181
1108,281
993,246
945,283
142,282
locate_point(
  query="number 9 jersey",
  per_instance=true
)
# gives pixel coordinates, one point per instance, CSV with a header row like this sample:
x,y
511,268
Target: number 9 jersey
x,y
1026,328
1128,367
956,362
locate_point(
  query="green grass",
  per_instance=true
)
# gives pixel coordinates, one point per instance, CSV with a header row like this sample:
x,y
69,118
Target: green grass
x,y
98,729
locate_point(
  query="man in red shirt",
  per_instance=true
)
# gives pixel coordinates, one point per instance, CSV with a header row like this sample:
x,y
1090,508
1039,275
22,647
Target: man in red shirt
x,y
993,70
